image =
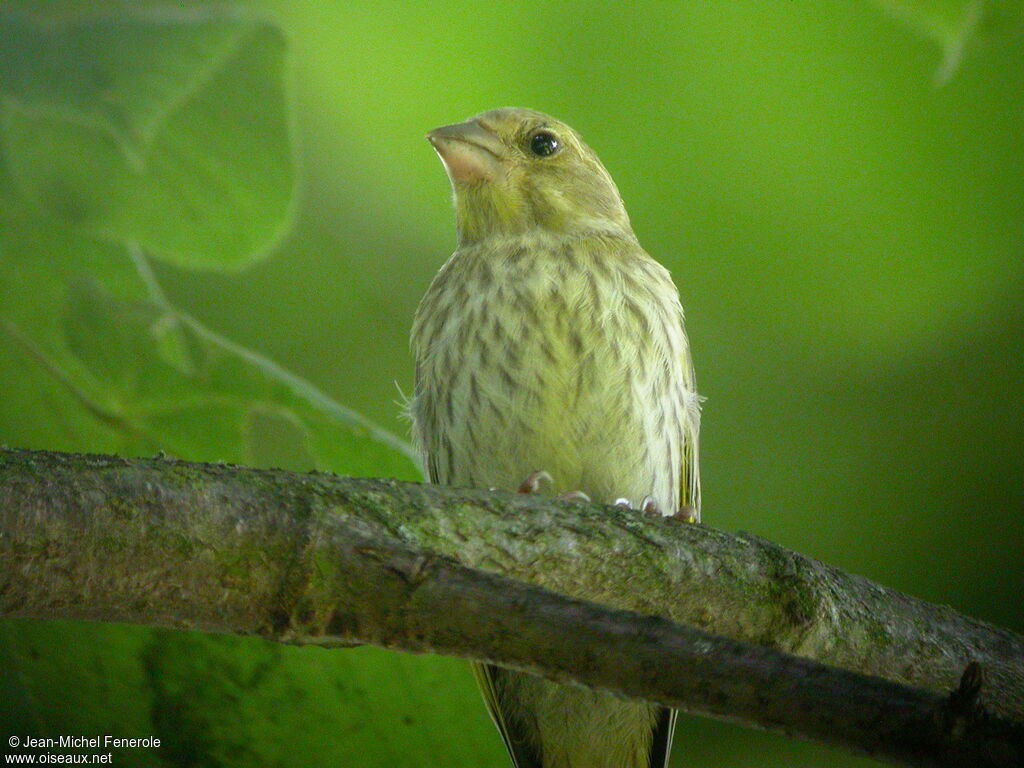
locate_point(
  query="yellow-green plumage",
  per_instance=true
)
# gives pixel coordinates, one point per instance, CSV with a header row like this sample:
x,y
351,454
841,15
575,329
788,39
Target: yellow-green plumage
x,y
550,340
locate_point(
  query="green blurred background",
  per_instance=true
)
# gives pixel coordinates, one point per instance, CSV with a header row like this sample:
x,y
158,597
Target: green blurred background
x,y
837,188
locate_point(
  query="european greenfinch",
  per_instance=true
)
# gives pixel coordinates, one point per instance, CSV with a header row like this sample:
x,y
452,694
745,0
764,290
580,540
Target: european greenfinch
x,y
552,345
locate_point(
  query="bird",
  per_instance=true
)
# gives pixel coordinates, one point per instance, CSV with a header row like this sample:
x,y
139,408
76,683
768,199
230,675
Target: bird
x,y
551,356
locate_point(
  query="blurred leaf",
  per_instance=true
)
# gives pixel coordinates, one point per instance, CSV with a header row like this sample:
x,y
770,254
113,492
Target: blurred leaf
x,y
179,387
160,128
126,125
941,20
49,398
53,667
232,701
172,344
87,69
953,24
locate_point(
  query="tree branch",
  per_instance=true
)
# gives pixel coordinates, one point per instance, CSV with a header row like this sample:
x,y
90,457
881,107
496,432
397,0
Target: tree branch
x,y
313,558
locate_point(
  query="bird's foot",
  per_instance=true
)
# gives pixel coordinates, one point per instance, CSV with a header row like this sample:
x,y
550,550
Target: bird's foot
x,y
685,514
648,505
534,480
579,496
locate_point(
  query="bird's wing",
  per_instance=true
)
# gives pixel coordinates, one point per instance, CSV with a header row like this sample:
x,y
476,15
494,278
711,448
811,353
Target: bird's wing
x,y
523,754
661,739
690,471
689,485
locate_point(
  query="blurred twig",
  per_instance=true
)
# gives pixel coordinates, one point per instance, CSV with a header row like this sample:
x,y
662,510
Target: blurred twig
x,y
317,559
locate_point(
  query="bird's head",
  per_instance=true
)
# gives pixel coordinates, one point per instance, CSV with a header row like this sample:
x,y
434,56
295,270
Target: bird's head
x,y
517,170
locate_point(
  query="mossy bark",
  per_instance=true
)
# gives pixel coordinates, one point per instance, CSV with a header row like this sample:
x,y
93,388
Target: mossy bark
x,y
728,625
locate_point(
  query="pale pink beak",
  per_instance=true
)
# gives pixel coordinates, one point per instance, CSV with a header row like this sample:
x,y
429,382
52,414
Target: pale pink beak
x,y
470,152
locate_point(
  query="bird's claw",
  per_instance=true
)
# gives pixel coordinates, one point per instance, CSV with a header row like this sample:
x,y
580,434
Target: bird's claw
x,y
685,514
533,480
579,496
650,507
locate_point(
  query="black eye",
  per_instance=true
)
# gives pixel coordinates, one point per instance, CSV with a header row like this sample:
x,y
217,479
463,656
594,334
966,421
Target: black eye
x,y
544,144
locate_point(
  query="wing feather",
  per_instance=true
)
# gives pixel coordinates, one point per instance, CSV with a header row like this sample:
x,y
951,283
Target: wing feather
x,y
661,739
523,754
690,471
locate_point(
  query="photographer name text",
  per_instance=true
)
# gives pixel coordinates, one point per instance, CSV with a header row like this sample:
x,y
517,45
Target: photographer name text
x,y
88,742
